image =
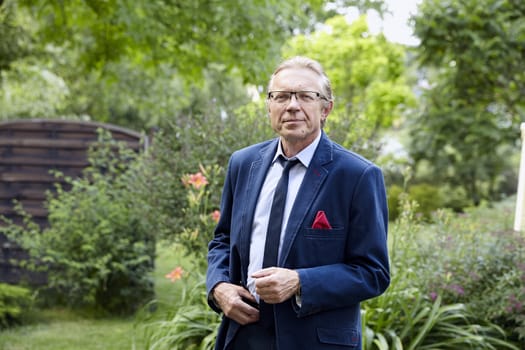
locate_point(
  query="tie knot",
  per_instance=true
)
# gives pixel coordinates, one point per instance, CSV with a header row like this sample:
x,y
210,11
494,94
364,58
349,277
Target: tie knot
x,y
287,163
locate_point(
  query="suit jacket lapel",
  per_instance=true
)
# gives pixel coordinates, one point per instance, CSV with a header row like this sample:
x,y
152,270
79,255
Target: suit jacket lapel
x,y
310,187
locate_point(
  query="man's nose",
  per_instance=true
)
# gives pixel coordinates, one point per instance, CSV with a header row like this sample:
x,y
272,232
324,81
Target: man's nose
x,y
293,103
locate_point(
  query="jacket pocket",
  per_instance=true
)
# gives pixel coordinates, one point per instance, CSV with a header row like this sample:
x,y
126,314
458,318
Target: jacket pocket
x,y
339,336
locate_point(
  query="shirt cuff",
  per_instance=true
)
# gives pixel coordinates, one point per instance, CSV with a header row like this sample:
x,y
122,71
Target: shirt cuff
x,y
298,299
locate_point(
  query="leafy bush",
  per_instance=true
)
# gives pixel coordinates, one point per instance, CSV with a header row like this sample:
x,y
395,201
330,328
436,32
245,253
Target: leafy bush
x,y
200,213
183,145
14,302
428,198
454,198
408,316
393,194
478,260
97,252
190,324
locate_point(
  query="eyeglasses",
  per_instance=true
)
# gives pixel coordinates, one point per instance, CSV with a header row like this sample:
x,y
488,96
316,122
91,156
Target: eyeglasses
x,y
282,97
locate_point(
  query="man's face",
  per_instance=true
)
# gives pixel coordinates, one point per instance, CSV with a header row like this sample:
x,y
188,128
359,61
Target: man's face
x,y
296,121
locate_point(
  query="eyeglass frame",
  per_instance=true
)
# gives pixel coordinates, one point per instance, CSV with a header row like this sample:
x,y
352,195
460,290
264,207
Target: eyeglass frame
x,y
294,93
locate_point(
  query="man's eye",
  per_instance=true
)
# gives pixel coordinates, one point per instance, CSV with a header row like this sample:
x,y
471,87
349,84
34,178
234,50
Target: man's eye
x,y
305,96
281,97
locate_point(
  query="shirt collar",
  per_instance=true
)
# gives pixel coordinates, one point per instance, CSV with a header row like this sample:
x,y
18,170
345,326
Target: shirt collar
x,y
305,156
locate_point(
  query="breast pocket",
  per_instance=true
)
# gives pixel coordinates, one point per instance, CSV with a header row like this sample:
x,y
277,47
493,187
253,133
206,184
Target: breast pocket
x,y
325,234
323,246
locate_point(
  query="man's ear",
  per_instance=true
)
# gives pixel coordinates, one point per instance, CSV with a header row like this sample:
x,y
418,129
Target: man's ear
x,y
327,108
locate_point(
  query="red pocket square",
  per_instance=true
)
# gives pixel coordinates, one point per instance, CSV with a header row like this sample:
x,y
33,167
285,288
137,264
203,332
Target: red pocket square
x,y
321,222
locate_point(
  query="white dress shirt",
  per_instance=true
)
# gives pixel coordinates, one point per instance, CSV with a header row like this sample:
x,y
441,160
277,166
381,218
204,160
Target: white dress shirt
x,y
264,205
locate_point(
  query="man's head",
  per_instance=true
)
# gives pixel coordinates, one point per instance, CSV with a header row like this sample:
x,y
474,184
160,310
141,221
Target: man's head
x,y
308,63
299,101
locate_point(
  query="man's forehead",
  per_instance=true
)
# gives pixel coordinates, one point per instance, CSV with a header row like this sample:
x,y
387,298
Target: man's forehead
x,y
297,76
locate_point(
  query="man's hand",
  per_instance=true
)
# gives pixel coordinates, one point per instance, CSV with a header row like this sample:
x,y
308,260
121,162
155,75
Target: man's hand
x,y
275,285
229,297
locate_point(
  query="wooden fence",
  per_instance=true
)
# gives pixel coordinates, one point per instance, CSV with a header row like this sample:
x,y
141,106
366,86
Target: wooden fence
x,y
29,151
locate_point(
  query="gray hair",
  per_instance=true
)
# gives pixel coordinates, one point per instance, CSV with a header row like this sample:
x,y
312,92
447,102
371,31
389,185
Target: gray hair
x,y
305,62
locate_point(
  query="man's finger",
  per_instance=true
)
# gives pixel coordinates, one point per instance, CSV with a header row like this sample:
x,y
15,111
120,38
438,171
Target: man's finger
x,y
264,272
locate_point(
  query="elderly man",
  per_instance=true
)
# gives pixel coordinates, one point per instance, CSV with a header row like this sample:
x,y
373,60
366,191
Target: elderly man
x,y
302,237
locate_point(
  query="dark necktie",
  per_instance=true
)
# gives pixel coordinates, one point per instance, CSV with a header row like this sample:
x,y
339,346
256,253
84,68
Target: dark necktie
x,y
275,223
273,235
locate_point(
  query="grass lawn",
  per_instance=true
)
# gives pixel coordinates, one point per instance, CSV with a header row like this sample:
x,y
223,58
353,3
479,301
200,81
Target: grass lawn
x,y
60,329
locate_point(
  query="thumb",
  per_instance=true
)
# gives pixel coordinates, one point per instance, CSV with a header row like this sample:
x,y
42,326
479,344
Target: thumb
x,y
244,293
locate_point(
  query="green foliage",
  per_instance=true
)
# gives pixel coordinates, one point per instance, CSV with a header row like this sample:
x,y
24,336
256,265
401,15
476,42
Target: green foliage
x,y
393,195
473,56
97,251
62,328
137,63
423,324
31,92
367,75
180,148
200,213
190,324
412,316
482,43
195,33
15,40
454,198
14,302
428,198
480,264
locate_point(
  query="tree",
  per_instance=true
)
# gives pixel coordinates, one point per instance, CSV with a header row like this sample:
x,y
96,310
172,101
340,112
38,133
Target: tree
x,y
189,34
109,53
15,40
473,53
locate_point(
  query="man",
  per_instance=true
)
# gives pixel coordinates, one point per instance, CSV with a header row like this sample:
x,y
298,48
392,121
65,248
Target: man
x,y
331,247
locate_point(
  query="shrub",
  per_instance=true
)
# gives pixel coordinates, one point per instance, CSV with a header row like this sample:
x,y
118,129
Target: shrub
x,y
393,195
428,198
478,260
190,324
201,213
454,198
183,145
466,258
409,316
97,252
14,302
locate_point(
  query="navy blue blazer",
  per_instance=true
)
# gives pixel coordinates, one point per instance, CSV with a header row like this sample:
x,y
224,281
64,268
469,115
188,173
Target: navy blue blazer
x,y
338,267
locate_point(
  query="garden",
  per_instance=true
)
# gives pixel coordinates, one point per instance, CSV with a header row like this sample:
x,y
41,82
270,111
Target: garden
x,y
125,249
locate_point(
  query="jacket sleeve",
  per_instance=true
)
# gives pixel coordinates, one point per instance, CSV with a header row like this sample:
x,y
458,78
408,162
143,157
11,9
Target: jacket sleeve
x,y
219,246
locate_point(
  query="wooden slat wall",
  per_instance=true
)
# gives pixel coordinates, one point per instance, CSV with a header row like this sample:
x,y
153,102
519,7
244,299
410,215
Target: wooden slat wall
x,y
29,150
